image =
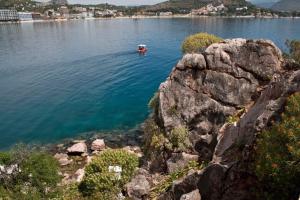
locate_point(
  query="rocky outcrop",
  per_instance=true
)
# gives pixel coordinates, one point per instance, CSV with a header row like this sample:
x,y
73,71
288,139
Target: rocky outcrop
x,y
224,97
204,89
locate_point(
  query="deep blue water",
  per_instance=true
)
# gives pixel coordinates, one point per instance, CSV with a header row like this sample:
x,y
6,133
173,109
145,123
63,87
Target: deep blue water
x,y
59,80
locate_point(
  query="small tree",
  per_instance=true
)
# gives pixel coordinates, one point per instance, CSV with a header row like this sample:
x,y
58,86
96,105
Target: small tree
x,y
278,155
294,46
198,42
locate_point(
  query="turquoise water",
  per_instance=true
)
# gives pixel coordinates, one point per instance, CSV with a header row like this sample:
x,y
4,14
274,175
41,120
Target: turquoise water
x,y
59,80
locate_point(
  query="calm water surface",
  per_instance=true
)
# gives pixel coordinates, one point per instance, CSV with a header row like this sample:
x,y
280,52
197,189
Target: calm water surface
x,y
59,80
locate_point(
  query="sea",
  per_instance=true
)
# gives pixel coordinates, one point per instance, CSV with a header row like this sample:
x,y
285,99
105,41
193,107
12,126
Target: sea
x,y
61,80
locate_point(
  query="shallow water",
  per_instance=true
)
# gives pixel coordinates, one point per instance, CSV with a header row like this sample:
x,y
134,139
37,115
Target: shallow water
x,y
61,79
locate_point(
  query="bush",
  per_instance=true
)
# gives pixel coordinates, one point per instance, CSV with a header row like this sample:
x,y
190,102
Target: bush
x,y
98,178
41,171
179,138
35,177
278,155
294,47
5,158
198,42
154,101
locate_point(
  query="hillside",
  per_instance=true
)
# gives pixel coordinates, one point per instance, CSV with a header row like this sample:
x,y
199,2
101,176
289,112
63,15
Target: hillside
x,y
190,4
287,5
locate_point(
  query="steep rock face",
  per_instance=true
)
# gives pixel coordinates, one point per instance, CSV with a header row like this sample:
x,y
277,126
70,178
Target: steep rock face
x,y
207,88
204,89
234,153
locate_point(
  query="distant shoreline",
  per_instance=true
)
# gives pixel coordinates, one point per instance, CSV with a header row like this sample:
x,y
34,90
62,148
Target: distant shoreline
x,y
148,17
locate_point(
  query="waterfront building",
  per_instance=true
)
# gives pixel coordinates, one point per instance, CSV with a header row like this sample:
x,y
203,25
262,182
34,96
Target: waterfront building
x,y
25,16
37,16
80,9
165,14
9,15
64,11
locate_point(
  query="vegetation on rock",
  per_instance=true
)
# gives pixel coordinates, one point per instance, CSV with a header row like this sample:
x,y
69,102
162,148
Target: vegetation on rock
x,y
278,155
29,174
294,46
167,182
198,42
179,138
100,182
154,137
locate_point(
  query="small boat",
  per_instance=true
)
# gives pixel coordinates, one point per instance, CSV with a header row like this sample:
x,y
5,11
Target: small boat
x,y
142,48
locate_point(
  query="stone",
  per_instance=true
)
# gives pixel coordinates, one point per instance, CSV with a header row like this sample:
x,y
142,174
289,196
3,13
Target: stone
x,y
139,186
98,145
194,195
78,149
63,159
79,174
179,161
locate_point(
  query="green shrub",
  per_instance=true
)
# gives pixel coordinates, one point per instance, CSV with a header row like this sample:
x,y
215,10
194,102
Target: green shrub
x,y
98,178
35,178
153,103
278,155
5,158
179,138
198,42
294,46
41,171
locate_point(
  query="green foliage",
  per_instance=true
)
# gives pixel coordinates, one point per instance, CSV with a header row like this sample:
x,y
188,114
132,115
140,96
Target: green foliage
x,y
172,111
35,176
198,42
5,158
168,180
154,138
41,171
294,46
179,138
98,178
154,101
278,154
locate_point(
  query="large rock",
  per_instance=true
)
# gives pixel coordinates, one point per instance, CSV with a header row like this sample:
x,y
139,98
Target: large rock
x,y
228,175
201,94
139,186
78,148
98,145
204,89
194,195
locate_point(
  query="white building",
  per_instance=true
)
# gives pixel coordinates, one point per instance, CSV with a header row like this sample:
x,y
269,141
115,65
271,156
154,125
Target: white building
x,y
165,14
9,15
25,16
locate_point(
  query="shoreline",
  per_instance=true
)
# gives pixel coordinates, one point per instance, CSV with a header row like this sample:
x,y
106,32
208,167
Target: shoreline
x,y
147,17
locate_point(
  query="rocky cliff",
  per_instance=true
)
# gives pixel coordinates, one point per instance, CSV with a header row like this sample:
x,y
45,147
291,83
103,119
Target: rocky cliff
x,y
211,108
